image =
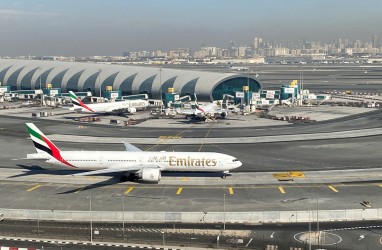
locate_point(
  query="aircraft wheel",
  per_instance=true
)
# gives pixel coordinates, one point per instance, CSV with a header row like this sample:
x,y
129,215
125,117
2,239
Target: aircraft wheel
x,y
224,176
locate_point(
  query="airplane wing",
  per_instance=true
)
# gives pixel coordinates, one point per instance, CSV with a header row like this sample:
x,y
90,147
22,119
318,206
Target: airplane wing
x,y
130,147
116,169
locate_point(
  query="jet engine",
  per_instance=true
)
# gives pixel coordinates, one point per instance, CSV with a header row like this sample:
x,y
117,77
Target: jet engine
x,y
152,175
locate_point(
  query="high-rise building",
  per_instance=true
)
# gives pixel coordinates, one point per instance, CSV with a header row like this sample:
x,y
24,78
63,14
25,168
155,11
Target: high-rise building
x,y
257,43
375,42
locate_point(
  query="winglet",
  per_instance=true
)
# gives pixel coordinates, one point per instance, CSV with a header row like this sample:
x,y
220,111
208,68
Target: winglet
x,y
77,101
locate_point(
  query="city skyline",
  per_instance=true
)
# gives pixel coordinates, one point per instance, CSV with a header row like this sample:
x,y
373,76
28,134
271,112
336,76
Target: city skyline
x,y
94,27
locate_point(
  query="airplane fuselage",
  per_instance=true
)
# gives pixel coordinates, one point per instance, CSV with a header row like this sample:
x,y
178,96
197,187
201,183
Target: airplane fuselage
x,y
165,161
112,106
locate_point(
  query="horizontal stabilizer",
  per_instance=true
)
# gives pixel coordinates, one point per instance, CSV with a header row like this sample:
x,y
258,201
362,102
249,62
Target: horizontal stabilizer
x,y
38,156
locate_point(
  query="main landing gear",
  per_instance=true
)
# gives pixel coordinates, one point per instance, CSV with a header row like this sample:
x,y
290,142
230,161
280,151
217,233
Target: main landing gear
x,y
127,177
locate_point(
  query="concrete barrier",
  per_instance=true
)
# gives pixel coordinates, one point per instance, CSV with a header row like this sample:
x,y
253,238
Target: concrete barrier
x,y
196,217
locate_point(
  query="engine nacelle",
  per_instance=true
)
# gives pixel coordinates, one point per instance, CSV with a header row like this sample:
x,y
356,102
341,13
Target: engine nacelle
x,y
150,175
132,110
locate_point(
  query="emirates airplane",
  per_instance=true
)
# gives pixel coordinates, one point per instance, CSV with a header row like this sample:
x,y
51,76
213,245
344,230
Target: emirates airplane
x,y
130,106
132,163
203,111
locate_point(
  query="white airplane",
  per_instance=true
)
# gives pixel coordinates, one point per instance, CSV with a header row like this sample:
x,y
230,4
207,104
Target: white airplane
x,y
130,106
204,111
238,68
146,166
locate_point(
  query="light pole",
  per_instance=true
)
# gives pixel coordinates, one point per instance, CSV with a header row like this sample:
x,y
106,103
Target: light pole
x,y
224,212
123,216
318,225
163,239
310,232
38,219
91,218
248,103
42,95
160,88
100,87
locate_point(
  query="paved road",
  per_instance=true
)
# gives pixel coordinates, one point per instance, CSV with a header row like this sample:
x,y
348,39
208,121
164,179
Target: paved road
x,y
334,235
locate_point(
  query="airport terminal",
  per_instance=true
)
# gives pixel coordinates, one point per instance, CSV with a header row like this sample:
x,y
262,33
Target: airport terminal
x,y
309,155
129,80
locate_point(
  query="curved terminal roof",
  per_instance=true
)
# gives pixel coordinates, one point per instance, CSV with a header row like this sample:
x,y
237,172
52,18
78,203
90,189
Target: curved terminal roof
x,y
76,76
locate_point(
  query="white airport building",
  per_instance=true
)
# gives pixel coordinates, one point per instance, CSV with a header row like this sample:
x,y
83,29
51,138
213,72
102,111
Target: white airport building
x,y
94,77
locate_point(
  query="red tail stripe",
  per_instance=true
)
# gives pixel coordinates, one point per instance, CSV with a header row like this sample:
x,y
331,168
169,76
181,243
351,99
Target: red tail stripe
x,y
56,152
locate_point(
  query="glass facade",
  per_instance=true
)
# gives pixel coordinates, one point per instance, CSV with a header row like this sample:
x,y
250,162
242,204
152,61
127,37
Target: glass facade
x,y
2,74
72,83
26,82
146,86
89,84
127,85
234,85
12,80
44,77
57,80
167,84
108,81
189,88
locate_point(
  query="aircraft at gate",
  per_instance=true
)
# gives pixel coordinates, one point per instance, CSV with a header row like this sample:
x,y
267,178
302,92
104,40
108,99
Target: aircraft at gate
x,y
129,106
204,111
146,166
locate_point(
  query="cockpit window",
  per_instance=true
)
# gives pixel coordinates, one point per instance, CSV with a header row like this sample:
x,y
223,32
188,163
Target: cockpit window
x,y
235,160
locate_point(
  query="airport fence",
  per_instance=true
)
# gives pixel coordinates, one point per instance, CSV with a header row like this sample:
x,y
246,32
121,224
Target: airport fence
x,y
195,217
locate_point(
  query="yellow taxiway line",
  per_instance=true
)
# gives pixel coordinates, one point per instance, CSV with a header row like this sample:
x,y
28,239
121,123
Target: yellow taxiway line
x,y
179,191
230,190
282,190
333,189
129,190
33,188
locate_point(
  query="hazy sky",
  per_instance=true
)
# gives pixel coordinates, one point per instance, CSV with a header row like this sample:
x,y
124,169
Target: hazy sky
x,y
109,27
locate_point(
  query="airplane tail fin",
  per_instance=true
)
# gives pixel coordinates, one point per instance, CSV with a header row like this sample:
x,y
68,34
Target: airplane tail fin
x,y
197,104
40,141
44,145
77,101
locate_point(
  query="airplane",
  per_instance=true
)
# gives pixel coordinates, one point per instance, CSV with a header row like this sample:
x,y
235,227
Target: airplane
x,y
203,111
132,163
238,68
130,106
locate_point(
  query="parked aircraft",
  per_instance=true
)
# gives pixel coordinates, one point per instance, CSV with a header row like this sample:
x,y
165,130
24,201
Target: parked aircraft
x,y
238,68
204,111
129,106
132,163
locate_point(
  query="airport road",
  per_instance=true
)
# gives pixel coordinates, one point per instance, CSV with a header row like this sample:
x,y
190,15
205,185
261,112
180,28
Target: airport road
x,y
335,235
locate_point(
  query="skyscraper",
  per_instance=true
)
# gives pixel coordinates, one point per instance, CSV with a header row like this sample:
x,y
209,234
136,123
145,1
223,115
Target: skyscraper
x,y
374,41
